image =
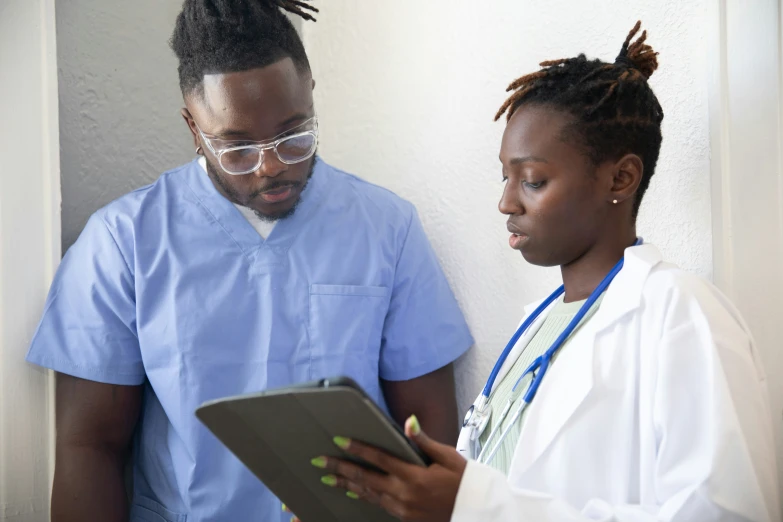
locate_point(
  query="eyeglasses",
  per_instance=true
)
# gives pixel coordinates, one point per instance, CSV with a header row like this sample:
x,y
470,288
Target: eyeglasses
x,y
238,157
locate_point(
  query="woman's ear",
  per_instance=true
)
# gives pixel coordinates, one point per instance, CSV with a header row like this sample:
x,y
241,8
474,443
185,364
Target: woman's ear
x,y
627,175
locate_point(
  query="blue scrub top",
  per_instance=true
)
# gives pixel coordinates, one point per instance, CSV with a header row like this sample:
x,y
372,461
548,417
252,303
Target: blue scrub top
x,y
171,287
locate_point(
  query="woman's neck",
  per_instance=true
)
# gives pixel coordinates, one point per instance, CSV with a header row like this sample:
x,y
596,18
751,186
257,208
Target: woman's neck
x,y
583,275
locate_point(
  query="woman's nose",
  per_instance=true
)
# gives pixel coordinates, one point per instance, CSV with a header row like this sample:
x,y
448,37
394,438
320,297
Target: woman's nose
x,y
509,202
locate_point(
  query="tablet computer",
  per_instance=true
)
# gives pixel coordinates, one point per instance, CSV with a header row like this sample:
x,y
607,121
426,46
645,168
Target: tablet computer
x,y
277,432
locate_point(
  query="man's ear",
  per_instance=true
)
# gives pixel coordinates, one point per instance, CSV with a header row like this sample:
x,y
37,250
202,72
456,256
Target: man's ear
x,y
185,113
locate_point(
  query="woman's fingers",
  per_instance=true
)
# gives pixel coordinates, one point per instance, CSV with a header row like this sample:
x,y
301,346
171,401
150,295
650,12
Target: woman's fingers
x,y
375,456
376,488
341,473
407,491
441,454
360,491
293,518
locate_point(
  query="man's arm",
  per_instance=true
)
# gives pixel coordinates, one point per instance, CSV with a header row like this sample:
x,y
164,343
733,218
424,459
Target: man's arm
x,y
95,424
431,398
424,333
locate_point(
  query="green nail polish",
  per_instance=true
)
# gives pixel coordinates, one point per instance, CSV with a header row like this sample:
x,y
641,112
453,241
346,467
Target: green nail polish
x,y
342,442
284,508
329,480
351,494
414,424
319,462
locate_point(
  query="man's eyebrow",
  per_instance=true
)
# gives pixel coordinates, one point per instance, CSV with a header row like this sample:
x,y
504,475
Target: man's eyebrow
x,y
236,134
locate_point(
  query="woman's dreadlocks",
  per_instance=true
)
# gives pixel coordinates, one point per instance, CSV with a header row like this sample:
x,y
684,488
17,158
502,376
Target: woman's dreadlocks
x,y
216,36
614,109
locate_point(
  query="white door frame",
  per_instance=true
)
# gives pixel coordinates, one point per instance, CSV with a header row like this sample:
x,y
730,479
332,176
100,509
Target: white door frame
x,y
29,251
746,122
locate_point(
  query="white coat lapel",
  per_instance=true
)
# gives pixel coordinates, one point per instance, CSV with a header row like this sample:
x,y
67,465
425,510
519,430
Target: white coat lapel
x,y
566,384
625,293
571,377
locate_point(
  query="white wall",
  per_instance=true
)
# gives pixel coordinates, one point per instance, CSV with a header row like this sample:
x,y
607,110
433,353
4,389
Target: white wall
x,y
29,250
120,126
406,92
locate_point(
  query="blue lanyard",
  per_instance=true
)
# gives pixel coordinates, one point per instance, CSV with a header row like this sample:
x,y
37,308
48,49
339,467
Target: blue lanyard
x,y
541,363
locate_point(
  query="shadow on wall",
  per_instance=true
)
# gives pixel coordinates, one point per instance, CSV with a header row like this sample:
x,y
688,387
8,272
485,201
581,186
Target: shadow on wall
x,y
120,126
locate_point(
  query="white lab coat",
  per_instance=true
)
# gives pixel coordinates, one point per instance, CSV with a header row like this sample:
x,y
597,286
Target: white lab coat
x,y
657,410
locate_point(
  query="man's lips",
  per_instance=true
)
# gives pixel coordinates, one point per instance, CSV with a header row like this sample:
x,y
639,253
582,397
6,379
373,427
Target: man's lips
x,y
276,193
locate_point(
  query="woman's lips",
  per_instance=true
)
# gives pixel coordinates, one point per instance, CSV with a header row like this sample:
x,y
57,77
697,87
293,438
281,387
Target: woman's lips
x,y
517,240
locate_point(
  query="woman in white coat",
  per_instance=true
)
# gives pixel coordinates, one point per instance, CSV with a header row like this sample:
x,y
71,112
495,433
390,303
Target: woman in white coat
x,y
652,405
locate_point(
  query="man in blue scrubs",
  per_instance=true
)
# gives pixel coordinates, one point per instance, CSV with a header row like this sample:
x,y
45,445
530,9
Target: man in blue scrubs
x,y
256,266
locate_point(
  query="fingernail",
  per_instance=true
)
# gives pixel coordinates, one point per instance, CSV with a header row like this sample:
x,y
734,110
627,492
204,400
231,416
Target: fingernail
x,y
342,442
319,462
414,425
329,480
285,508
351,494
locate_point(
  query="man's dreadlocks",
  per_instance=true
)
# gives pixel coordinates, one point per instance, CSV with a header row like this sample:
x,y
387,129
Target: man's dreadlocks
x,y
218,36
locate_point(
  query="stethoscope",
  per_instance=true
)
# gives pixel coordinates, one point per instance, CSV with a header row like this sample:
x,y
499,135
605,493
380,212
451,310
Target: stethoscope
x,y
479,413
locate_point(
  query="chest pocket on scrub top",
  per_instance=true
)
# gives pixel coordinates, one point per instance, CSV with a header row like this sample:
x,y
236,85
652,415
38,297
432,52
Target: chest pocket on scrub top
x,y
346,324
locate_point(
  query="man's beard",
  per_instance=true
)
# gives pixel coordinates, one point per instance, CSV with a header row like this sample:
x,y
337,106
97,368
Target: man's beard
x,y
232,195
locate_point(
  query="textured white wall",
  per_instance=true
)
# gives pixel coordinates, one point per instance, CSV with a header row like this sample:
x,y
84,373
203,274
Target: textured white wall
x,y
120,126
406,91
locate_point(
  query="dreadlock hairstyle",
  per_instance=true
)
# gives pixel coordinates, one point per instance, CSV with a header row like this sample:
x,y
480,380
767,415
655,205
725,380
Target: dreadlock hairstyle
x,y
614,109
217,36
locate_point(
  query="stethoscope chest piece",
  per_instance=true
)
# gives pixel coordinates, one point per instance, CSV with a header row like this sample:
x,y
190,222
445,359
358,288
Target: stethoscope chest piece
x,y
477,419
468,416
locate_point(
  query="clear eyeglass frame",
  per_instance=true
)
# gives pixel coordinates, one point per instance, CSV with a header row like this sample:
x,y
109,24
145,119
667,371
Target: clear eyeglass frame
x,y
292,146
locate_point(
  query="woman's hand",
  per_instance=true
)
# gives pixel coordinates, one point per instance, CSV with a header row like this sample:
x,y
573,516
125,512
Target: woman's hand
x,y
409,492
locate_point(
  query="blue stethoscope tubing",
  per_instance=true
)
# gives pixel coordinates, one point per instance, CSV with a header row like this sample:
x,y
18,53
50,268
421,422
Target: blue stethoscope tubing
x,y
540,365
